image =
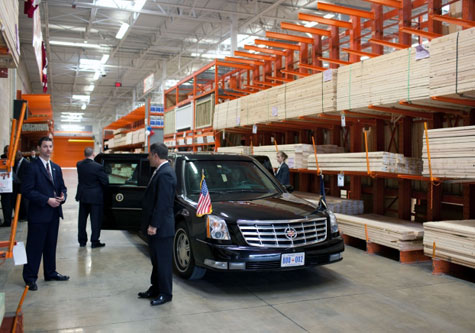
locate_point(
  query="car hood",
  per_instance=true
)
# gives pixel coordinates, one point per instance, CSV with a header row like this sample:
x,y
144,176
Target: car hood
x,y
282,207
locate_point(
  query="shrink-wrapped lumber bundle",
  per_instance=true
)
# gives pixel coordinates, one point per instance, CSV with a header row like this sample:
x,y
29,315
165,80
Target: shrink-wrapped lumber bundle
x,y
454,241
452,64
379,161
276,101
391,232
243,150
311,95
383,80
336,205
452,152
220,115
257,107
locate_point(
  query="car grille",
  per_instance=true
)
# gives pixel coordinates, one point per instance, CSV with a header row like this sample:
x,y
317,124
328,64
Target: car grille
x,y
283,233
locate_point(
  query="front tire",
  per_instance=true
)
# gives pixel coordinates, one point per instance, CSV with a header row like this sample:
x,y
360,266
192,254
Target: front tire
x,y
183,259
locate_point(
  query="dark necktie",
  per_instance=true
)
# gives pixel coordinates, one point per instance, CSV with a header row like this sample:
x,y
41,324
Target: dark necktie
x,y
48,171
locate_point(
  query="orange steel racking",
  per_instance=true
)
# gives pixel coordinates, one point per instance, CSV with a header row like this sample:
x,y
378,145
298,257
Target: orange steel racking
x,y
284,57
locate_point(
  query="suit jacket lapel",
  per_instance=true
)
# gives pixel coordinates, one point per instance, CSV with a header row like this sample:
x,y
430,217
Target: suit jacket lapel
x,y
43,170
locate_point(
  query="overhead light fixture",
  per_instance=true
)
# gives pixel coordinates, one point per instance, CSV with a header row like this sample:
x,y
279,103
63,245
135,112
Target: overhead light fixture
x,y
139,5
310,24
83,107
364,58
329,16
89,88
123,29
71,44
96,76
84,98
104,58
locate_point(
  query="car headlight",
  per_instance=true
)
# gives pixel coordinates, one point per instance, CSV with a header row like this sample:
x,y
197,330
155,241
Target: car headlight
x,y
216,228
333,223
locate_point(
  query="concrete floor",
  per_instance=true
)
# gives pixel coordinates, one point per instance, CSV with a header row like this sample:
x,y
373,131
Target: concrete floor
x,y
360,294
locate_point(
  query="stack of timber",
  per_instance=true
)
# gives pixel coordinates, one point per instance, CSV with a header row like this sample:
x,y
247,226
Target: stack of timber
x,y
379,161
241,150
391,232
454,241
298,153
311,95
452,152
9,34
227,114
336,205
452,69
257,107
383,80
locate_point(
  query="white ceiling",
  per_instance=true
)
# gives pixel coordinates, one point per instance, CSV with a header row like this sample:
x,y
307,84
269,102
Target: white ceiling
x,y
168,38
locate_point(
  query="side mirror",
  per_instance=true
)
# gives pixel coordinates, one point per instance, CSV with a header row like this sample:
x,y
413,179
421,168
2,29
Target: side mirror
x,y
289,188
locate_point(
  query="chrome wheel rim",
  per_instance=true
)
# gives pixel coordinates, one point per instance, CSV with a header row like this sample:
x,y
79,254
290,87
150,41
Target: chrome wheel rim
x,y
182,251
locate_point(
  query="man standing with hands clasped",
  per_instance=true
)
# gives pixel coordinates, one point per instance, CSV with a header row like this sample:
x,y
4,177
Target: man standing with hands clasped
x,y
158,222
43,186
91,179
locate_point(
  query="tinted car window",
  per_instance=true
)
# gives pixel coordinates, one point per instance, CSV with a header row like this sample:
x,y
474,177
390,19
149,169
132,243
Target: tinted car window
x,y
122,173
225,179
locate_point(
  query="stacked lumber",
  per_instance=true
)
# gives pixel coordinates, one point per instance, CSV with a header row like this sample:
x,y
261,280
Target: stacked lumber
x,y
454,241
336,205
257,107
298,153
241,150
9,32
383,80
452,68
452,152
379,161
311,95
276,100
388,231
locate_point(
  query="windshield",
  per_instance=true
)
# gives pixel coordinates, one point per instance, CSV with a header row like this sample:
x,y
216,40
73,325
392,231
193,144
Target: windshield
x,y
228,180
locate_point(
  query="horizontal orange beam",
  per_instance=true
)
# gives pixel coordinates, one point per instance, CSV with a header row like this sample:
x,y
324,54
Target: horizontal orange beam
x,y
245,61
281,79
312,67
234,94
453,20
265,50
468,102
286,71
254,87
334,61
360,53
432,108
271,43
292,38
328,7
388,44
230,64
389,3
254,56
417,32
246,91
226,97
322,20
302,28
402,112
358,114
269,84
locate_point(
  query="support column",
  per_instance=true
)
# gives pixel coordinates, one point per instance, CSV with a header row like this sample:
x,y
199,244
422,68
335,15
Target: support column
x,y
355,144
377,27
405,21
404,185
378,183
303,57
434,7
468,10
434,193
334,45
355,37
317,50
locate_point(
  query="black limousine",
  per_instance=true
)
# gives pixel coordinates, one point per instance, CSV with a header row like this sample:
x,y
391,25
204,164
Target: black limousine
x,y
256,224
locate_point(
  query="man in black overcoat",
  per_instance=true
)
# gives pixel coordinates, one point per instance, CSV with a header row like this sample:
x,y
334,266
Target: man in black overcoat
x,y
158,223
90,194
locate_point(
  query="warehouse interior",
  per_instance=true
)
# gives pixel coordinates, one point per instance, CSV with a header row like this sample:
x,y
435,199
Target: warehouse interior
x,y
373,102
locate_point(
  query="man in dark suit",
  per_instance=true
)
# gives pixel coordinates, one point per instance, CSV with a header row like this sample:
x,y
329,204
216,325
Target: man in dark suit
x,y
20,168
91,180
158,222
43,186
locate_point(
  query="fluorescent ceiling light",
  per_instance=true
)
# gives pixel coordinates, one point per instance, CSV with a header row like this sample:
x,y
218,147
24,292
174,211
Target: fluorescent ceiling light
x,y
96,76
329,16
83,107
211,55
123,29
71,44
89,88
104,58
72,113
72,127
85,98
139,5
310,24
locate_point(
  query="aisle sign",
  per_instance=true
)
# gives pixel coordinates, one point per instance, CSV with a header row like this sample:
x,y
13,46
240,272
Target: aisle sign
x,y
343,120
327,75
275,111
421,52
148,83
254,129
341,180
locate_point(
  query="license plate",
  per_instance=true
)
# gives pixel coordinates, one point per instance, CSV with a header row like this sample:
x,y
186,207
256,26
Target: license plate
x,y
292,259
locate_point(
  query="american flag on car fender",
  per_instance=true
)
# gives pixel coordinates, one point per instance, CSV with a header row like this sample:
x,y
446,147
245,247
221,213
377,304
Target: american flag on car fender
x,y
204,202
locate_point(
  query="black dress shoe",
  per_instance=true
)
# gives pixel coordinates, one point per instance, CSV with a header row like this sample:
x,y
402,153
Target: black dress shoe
x,y
82,244
150,293
160,300
32,286
57,277
98,244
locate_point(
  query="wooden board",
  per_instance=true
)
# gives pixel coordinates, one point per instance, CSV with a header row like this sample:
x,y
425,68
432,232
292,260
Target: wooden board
x,y
454,241
391,232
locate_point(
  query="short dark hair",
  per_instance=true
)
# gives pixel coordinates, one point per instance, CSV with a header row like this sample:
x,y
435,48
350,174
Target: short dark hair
x,y
88,152
43,139
160,149
284,155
